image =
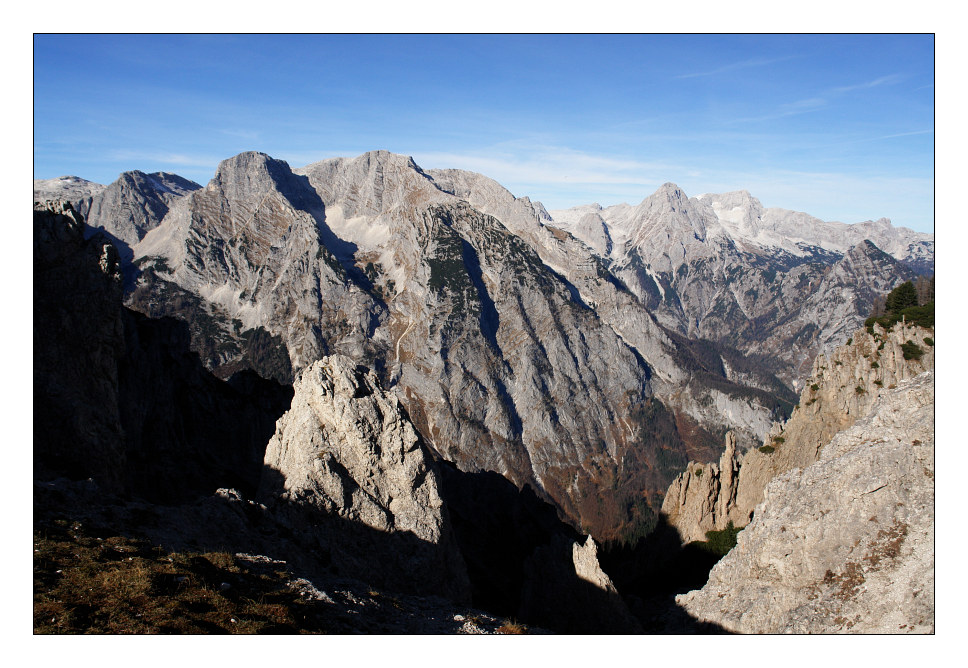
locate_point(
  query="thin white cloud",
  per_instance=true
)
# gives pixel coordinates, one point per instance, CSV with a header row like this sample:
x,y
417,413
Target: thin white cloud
x,y
740,65
180,159
880,81
546,165
789,109
907,134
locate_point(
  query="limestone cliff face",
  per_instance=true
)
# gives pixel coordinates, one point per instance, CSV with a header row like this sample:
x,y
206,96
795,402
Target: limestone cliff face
x,y
347,467
700,498
842,388
845,544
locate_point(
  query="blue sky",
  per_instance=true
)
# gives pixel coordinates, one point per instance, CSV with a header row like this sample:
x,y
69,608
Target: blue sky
x,y
839,126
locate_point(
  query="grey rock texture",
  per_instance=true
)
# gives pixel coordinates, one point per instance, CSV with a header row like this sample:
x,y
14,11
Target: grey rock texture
x,y
846,544
841,389
350,470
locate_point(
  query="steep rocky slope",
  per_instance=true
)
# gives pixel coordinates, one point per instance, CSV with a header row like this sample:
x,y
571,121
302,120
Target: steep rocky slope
x,y
845,544
348,493
347,469
500,359
842,388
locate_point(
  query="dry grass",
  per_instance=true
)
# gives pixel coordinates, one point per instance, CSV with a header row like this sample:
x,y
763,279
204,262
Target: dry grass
x,y
84,583
512,627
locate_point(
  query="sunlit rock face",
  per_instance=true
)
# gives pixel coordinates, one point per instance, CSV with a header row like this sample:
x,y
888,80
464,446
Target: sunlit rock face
x,y
846,544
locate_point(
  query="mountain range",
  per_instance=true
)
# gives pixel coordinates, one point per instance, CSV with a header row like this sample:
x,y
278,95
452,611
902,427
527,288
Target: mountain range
x,y
588,354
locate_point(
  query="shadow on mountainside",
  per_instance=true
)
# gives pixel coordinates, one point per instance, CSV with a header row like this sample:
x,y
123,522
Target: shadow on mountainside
x,y
652,572
519,557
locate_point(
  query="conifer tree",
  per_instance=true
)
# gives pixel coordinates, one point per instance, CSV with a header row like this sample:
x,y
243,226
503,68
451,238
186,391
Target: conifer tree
x,y
901,297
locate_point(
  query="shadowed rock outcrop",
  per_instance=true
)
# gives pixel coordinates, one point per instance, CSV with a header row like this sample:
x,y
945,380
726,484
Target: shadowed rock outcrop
x,y
345,449
121,398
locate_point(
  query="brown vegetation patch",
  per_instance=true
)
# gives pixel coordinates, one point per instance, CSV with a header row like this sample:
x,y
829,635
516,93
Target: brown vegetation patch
x,y
887,544
84,583
850,581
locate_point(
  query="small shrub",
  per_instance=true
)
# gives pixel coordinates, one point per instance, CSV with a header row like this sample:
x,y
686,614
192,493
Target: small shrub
x,y
839,363
879,383
911,350
850,340
875,365
815,387
698,473
721,542
779,439
929,341
767,449
860,390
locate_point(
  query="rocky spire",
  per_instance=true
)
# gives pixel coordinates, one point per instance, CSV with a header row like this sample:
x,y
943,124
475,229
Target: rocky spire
x,y
347,466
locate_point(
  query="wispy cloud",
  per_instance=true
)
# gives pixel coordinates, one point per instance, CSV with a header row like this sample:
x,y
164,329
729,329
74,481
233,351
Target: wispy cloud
x,y
880,81
523,163
740,65
789,109
820,101
907,134
179,159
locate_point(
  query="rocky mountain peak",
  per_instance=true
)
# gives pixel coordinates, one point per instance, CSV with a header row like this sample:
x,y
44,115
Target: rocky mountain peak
x,y
371,184
251,174
65,188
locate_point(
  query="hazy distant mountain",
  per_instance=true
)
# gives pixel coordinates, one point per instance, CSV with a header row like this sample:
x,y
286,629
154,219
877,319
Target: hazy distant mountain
x,y
772,282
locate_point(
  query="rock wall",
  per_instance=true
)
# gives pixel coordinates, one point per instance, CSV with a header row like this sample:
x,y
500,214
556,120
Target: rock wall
x,y
842,388
121,398
78,338
844,545
700,498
